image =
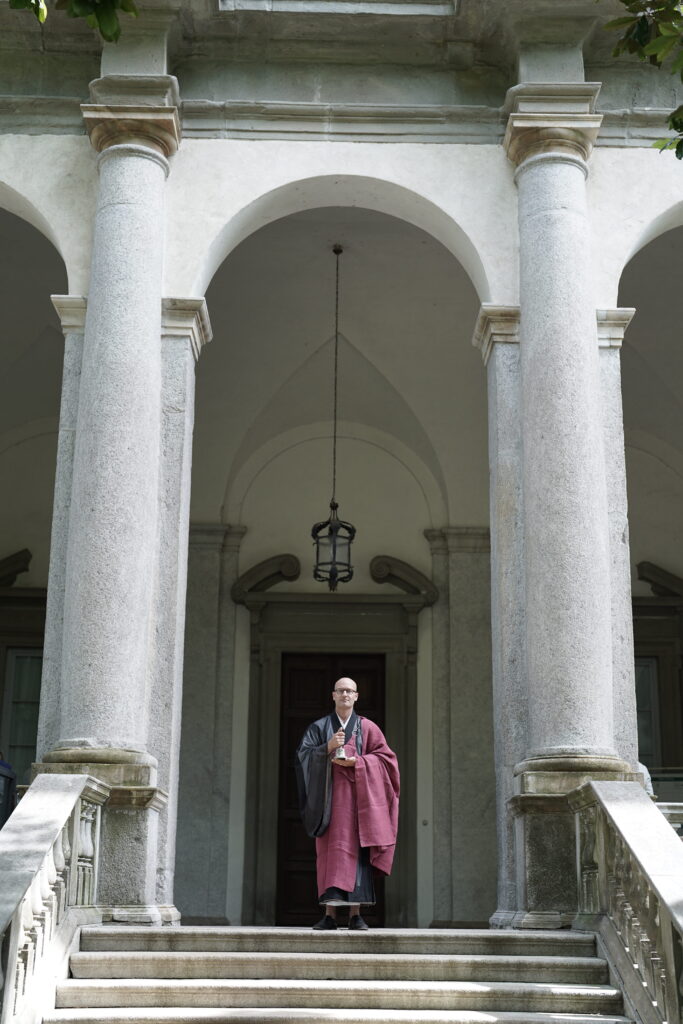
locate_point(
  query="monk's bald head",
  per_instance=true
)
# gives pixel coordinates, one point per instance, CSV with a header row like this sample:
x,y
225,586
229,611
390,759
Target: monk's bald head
x,y
344,695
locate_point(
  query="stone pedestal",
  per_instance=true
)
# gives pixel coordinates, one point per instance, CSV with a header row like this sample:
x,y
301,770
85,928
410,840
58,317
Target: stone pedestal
x,y
112,565
567,562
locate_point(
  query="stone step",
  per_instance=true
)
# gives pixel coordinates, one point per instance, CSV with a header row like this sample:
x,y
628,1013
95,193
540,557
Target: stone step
x,y
256,1015
373,967
425,941
384,995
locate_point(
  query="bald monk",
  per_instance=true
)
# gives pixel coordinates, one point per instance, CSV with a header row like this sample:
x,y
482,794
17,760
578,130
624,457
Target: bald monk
x,y
348,782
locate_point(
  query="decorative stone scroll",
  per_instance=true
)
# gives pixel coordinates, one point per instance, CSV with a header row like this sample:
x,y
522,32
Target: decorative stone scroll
x,y
387,569
265,575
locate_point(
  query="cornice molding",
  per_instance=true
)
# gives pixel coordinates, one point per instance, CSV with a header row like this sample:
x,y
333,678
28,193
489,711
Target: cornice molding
x,y
495,324
386,569
134,109
612,324
459,540
557,118
187,318
468,539
71,310
207,535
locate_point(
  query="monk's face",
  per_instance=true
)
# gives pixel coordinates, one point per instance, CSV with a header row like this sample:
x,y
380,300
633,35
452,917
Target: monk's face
x,y
344,695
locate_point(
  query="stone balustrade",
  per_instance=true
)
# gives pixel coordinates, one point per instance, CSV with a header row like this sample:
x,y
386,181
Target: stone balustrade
x,y
630,866
49,852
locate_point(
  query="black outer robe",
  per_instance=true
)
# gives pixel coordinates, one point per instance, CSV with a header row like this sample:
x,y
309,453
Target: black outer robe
x,y
314,770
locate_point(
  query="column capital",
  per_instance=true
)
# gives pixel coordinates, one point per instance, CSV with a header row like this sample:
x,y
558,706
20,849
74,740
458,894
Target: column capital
x,y
612,324
71,311
557,118
208,535
187,318
436,539
495,324
232,540
134,109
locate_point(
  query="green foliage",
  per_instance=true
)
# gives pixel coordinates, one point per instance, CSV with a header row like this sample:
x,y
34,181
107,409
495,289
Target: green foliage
x,y
102,15
653,31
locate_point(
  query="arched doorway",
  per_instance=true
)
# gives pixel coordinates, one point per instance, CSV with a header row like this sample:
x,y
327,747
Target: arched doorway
x,y
412,457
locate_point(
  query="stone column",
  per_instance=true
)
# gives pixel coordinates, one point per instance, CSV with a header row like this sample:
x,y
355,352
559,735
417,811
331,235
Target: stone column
x,y
112,551
497,336
612,324
71,310
185,331
441,731
566,537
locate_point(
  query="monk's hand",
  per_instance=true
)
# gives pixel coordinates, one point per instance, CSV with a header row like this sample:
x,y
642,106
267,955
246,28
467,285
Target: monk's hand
x,y
336,742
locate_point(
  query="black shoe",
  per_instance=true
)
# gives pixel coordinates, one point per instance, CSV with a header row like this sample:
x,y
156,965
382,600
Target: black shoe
x,y
357,924
326,924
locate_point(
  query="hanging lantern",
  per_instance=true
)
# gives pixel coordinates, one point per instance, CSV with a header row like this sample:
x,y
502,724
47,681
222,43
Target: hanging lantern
x,y
333,538
333,549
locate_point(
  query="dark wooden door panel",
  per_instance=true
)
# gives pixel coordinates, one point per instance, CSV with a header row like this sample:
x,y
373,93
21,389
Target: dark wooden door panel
x,y
307,684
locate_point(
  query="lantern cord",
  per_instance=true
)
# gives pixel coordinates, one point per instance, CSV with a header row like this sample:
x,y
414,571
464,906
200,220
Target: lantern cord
x,y
337,250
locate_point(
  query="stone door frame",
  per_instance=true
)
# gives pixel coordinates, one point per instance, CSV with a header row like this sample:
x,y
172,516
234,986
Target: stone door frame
x,y
330,623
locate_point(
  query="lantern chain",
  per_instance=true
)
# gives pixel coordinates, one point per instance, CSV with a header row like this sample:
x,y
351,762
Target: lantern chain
x,y
337,250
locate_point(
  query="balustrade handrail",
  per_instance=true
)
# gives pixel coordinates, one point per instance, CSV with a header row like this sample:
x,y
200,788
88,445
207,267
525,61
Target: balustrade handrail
x,y
630,869
49,850
32,830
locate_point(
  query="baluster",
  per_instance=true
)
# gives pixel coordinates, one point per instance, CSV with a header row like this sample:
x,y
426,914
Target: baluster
x,y
38,916
47,899
26,956
59,862
86,854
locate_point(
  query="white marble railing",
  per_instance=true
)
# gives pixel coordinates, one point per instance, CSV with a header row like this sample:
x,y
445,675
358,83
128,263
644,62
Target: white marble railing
x,y
674,815
49,851
630,867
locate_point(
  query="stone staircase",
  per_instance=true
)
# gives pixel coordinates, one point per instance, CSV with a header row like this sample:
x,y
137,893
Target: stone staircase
x,y
289,975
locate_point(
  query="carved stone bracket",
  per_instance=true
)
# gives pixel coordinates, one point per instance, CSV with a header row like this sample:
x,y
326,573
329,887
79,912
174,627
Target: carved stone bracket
x,y
386,569
265,575
13,565
663,583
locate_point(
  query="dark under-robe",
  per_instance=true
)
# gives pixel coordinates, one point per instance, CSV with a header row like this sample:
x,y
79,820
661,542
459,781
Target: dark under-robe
x,y
348,808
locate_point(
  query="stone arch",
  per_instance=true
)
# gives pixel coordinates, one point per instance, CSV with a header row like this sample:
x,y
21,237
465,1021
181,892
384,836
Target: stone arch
x,y
237,489
666,220
345,190
18,205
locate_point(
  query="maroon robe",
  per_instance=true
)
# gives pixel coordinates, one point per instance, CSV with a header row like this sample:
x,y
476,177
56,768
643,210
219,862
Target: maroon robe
x,y
364,812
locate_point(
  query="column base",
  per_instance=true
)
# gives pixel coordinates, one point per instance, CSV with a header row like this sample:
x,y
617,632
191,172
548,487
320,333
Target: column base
x,y
503,919
152,916
545,834
541,919
80,752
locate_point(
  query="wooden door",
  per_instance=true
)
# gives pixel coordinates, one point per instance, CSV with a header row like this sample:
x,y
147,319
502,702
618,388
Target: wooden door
x,y
306,695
